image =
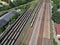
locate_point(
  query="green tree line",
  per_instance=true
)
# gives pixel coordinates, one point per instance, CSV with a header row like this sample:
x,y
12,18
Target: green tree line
x,y
55,13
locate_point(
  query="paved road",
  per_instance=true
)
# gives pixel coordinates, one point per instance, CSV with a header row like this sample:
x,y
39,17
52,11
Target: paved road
x,y
34,36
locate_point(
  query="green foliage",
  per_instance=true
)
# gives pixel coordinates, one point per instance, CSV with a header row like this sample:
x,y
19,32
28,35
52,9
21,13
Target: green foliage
x,y
1,29
20,2
4,8
56,17
54,42
11,5
59,39
13,18
14,4
55,13
57,3
6,0
29,0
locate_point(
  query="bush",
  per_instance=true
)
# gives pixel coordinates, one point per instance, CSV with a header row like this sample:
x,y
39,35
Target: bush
x,y
14,4
54,42
56,17
55,13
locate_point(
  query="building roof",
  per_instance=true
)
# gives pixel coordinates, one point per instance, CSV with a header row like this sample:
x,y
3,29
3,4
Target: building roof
x,y
58,29
3,22
6,17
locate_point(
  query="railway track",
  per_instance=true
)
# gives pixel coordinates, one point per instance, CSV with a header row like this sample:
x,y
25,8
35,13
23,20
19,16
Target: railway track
x,y
32,21
44,34
34,37
36,12
40,37
13,32
41,33
10,26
